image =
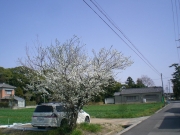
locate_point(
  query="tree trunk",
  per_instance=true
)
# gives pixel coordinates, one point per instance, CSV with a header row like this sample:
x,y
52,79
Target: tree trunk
x,y
72,120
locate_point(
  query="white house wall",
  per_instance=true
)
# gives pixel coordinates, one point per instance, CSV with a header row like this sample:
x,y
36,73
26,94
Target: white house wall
x,y
21,104
109,100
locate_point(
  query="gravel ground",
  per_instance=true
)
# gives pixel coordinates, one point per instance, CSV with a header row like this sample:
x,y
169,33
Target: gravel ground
x,y
127,121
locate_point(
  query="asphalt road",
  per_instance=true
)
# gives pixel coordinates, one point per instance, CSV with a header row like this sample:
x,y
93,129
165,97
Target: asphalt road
x,y
164,122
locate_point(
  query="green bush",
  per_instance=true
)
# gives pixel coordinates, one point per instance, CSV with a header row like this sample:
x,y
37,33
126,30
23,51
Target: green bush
x,y
30,103
4,104
76,132
90,127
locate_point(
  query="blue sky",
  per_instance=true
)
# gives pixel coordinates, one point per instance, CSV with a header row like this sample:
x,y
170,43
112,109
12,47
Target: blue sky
x,y
147,23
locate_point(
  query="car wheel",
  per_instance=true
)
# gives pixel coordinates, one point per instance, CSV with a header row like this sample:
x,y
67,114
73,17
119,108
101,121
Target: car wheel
x,y
87,120
64,122
41,127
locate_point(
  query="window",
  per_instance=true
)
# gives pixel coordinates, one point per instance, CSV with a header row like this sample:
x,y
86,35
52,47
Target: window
x,y
150,97
44,108
131,98
9,92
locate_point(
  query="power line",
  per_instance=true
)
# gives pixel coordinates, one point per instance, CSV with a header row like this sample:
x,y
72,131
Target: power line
x,y
175,29
150,65
177,17
117,34
163,78
112,22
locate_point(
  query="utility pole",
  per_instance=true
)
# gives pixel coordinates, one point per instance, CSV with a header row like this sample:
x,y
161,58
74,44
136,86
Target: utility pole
x,y
162,82
162,88
169,89
177,40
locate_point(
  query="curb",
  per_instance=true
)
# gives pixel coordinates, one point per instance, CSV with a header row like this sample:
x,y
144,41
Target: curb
x,y
162,108
126,129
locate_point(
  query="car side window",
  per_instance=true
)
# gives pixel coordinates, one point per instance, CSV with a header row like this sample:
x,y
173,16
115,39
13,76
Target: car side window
x,y
81,111
60,108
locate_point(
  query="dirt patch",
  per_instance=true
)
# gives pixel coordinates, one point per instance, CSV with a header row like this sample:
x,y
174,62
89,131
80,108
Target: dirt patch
x,y
113,126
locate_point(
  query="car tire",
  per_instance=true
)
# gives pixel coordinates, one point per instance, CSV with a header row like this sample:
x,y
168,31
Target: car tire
x,y
64,122
41,127
87,120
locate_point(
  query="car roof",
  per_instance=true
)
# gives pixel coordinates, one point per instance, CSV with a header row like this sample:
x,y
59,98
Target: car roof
x,y
52,104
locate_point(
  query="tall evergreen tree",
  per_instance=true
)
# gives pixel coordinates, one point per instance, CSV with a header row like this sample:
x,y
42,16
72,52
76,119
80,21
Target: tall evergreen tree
x,y
176,80
139,83
130,82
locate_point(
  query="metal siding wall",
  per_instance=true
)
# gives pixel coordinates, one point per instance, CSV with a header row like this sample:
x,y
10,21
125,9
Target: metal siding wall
x,y
117,99
139,98
157,99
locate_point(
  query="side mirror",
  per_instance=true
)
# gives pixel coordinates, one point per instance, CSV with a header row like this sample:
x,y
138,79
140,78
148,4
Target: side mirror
x,y
81,111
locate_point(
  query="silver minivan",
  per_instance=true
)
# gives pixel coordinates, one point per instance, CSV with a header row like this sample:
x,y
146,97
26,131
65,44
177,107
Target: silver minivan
x,y
53,115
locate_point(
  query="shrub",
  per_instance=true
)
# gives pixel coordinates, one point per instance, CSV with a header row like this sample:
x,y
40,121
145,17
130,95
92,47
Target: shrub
x,y
4,104
29,103
77,132
90,127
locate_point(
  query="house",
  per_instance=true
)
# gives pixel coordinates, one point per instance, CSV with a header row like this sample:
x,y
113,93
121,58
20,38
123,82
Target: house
x,y
139,95
7,94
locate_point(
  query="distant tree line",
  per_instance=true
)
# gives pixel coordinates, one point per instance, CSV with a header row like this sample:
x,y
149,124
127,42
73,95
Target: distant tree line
x,y
16,77
142,82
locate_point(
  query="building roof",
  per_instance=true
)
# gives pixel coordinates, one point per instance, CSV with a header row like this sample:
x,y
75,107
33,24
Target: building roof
x,y
139,91
15,97
18,98
4,85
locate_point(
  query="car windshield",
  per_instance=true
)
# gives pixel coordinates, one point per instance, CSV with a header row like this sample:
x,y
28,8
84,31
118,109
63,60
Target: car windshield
x,y
44,108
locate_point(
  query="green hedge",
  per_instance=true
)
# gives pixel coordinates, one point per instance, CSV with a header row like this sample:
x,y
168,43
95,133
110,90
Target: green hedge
x,y
30,103
4,104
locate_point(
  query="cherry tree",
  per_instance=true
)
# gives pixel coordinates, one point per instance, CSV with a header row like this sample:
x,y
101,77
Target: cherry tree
x,y
147,81
68,74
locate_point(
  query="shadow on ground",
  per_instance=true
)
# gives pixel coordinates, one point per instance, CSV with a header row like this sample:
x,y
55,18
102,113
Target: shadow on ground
x,y
170,122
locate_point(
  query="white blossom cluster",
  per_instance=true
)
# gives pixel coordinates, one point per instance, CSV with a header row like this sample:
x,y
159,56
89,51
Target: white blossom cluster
x,y
68,74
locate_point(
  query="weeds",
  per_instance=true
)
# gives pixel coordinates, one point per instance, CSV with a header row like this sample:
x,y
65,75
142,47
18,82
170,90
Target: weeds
x,y
77,132
90,127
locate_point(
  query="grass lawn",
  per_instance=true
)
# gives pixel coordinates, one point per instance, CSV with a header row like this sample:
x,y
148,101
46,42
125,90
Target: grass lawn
x,y
96,111
122,111
15,116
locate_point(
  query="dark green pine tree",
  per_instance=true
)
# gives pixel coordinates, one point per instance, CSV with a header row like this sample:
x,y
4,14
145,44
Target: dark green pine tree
x,y
176,80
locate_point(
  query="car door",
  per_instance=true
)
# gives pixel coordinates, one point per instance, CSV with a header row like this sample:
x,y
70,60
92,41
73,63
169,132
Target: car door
x,y
81,116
